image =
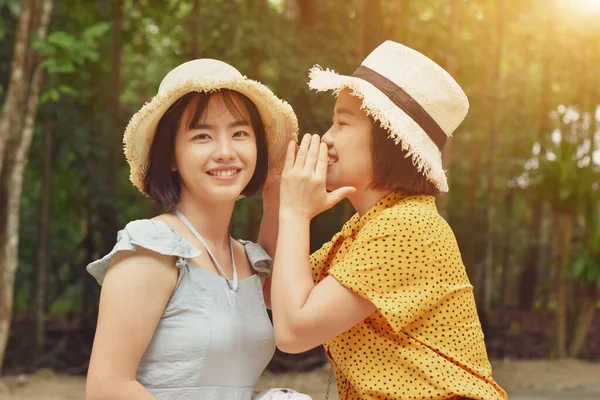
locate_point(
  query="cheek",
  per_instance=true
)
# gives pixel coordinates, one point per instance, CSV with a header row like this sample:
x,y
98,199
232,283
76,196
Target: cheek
x,y
249,153
361,165
191,156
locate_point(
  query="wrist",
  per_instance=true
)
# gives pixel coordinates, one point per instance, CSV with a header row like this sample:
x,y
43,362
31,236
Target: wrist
x,y
291,216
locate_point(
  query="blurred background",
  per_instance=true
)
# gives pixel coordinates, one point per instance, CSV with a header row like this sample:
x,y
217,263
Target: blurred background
x,y
524,167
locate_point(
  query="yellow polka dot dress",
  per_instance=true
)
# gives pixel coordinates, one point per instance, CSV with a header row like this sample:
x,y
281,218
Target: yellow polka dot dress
x,y
425,340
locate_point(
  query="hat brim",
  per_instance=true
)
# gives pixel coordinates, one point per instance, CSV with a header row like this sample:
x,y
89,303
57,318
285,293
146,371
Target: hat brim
x,y
278,117
402,129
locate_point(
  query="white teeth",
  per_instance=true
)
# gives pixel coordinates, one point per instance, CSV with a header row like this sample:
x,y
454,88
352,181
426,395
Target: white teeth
x,y
330,160
223,172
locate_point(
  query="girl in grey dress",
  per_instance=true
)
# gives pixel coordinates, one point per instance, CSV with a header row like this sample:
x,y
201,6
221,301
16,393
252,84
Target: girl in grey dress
x,y
182,312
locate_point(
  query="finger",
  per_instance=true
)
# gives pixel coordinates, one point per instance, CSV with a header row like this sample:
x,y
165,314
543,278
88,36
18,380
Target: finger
x,y
322,162
289,156
313,154
302,152
338,195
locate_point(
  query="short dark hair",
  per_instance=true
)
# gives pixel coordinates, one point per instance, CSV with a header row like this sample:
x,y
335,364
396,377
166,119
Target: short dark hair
x,y
392,169
161,183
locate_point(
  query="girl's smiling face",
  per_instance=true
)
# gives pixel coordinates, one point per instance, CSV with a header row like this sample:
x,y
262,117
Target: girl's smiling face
x,y
215,154
349,145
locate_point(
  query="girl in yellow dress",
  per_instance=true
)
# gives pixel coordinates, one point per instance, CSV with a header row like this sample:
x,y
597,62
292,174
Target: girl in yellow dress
x,y
388,296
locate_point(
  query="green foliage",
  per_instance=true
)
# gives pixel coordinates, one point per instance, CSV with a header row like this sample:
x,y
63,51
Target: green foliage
x,y
64,52
271,43
564,172
586,264
13,6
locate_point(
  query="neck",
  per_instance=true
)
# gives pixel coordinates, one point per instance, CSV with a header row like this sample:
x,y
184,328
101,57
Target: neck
x,y
364,200
210,219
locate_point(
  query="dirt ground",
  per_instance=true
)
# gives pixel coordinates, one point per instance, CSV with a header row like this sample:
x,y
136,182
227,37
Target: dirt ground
x,y
524,380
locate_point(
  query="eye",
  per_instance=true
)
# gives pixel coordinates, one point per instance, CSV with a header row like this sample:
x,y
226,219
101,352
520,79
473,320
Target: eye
x,y
202,136
341,123
240,134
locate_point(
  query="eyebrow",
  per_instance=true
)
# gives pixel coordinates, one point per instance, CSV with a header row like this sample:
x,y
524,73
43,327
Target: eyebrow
x,y
345,111
236,124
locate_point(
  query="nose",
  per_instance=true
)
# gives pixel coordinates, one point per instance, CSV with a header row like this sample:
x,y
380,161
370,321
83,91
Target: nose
x,y
225,150
327,138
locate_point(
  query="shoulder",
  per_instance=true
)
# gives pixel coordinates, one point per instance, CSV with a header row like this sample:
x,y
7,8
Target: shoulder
x,y
142,267
145,241
412,214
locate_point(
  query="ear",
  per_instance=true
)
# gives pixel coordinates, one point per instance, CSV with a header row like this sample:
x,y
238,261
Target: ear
x,y
173,166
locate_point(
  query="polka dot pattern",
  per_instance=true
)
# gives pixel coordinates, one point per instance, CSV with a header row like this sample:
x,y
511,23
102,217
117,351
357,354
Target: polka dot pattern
x,y
425,340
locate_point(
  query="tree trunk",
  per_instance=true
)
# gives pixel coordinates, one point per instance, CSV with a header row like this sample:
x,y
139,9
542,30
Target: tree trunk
x,y
291,10
584,319
491,167
469,250
506,264
258,59
401,25
374,28
563,245
546,273
359,44
13,186
194,22
113,135
451,67
10,121
43,245
89,298
308,13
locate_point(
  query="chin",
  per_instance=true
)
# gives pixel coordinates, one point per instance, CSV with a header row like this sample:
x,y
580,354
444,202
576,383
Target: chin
x,y
332,183
231,193
221,195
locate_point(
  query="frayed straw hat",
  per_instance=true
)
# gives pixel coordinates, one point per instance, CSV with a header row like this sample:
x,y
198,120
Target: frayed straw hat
x,y
206,75
412,97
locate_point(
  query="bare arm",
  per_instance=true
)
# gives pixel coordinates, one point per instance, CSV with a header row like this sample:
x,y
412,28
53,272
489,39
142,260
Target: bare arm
x,y
134,294
267,234
306,315
269,224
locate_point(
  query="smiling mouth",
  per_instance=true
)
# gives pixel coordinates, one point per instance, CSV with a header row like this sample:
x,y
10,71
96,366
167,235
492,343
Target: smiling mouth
x,y
331,160
223,173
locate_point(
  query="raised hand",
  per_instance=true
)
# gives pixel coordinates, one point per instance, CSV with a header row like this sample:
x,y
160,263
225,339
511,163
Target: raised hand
x,y
303,191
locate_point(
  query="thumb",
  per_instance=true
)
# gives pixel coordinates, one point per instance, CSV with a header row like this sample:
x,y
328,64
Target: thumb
x,y
338,195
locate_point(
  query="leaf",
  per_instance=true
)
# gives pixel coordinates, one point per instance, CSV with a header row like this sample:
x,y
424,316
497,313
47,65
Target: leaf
x,y
564,192
580,264
50,96
97,30
54,66
68,90
13,6
62,39
44,48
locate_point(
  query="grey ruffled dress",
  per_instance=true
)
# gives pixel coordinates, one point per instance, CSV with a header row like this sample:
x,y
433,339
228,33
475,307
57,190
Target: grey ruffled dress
x,y
214,338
